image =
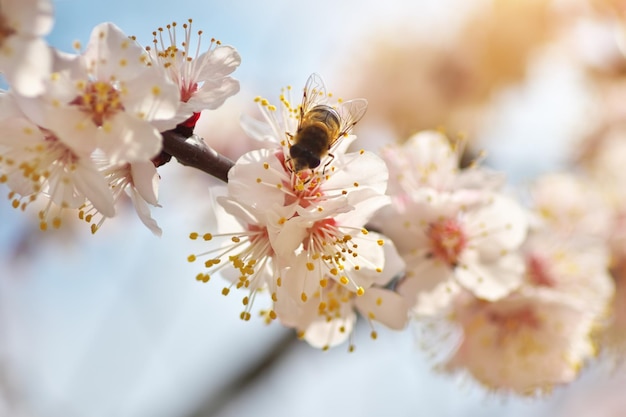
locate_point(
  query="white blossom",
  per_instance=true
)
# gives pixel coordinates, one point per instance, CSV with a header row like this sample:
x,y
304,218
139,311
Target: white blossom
x,y
202,76
105,98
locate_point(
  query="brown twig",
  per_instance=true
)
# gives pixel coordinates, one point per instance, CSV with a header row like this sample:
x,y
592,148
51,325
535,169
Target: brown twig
x,y
188,151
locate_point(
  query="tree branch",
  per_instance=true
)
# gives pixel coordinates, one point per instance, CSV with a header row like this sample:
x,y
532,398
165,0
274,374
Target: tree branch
x,y
192,151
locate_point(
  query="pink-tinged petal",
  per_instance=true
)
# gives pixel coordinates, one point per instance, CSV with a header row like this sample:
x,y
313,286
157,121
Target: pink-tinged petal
x,y
524,344
143,211
151,96
217,63
490,280
112,55
29,17
127,139
383,306
25,63
146,181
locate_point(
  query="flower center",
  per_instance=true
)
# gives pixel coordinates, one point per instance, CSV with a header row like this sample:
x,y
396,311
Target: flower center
x,y
447,240
537,271
101,100
6,31
512,327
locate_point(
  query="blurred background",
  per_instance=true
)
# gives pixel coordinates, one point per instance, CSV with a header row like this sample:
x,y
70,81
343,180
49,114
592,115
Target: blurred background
x,y
116,325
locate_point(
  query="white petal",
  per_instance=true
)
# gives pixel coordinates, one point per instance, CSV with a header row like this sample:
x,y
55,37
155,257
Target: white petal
x,y
220,62
146,181
213,93
151,96
112,55
25,63
128,139
500,225
143,211
322,333
490,280
383,306
429,287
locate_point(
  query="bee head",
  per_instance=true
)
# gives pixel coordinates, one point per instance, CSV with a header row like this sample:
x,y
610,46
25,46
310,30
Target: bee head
x,y
303,158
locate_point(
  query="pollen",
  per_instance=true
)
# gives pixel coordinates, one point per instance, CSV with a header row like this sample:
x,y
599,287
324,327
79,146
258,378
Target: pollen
x,y
193,236
225,291
191,258
360,291
304,297
207,236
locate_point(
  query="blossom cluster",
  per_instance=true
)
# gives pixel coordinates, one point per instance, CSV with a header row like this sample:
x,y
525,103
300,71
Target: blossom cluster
x,y
83,129
518,296
302,235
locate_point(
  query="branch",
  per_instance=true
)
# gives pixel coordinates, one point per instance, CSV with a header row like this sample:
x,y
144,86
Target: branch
x,y
189,151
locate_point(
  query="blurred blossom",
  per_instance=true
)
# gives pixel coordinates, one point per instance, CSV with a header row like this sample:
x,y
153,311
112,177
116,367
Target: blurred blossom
x,y
525,343
572,205
25,58
416,84
452,227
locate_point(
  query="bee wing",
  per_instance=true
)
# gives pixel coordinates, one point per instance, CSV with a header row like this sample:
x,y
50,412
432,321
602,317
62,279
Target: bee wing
x,y
314,93
350,112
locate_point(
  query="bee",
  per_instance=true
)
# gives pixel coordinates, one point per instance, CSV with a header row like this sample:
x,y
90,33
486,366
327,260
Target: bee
x,y
320,125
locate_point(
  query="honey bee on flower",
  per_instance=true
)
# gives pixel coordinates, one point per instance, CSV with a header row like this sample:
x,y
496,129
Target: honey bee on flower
x,y
320,125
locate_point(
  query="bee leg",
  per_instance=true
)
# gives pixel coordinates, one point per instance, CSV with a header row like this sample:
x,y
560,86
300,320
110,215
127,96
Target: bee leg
x,y
328,163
